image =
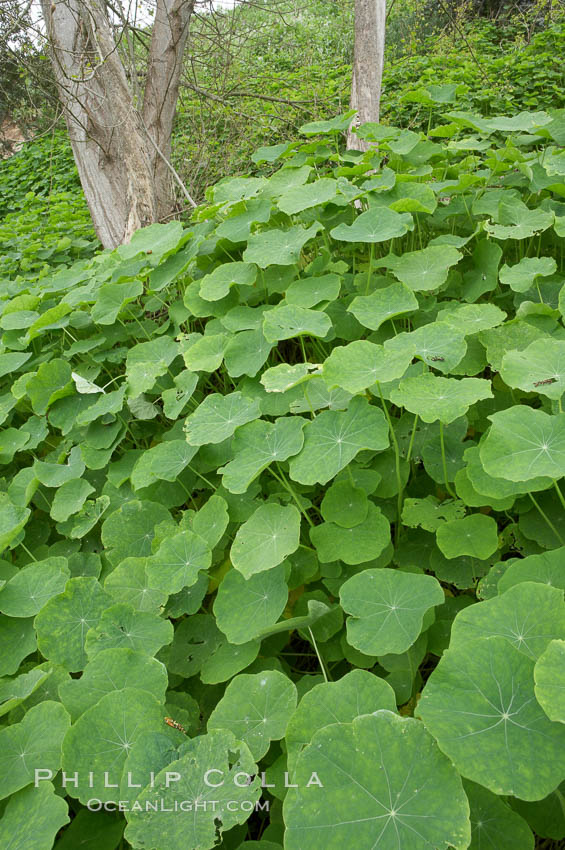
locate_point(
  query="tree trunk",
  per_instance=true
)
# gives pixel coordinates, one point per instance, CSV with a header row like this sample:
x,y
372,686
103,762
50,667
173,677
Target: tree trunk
x,y
370,25
121,155
168,41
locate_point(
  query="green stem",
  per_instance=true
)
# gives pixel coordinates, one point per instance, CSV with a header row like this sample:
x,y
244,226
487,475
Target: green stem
x,y
209,483
411,443
24,547
396,465
559,493
547,520
370,272
313,639
444,462
287,485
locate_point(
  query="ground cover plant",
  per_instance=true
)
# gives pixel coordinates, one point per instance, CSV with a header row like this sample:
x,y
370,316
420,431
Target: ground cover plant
x,y
282,499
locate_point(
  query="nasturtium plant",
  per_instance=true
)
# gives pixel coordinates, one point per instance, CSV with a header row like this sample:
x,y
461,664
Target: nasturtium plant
x,y
282,515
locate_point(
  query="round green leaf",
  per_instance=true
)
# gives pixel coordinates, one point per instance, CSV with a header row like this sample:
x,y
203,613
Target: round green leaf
x,y
549,675
278,247
358,692
17,639
244,608
479,705
256,709
311,195
35,743
376,225
270,534
524,443
400,790
344,504
546,568
227,660
32,818
128,532
198,827
217,417
386,303
98,743
423,270
434,398
522,276
538,368
14,691
112,670
12,520
129,583
438,344
333,438
309,291
353,545
28,591
196,638
494,823
387,608
217,284
178,561
123,626
63,622
288,320
257,445
70,498
361,364
529,615
475,535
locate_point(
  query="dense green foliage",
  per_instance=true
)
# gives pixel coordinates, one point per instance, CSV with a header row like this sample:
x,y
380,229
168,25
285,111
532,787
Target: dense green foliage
x,y
44,220
293,476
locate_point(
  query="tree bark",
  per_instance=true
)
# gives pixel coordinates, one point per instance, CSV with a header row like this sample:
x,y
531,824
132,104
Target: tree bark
x,y
370,25
168,41
120,152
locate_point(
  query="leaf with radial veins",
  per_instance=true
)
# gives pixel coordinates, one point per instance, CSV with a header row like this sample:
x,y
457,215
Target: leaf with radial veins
x,y
539,368
376,225
387,608
257,445
217,284
334,438
480,706
128,582
423,270
288,320
32,818
225,800
279,247
256,709
270,534
475,535
63,622
113,670
523,275
524,443
471,318
493,823
177,562
122,626
407,793
549,676
279,379
355,545
437,344
358,692
245,607
361,364
38,736
98,743
217,417
387,303
528,615
30,588
311,195
545,568
434,398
